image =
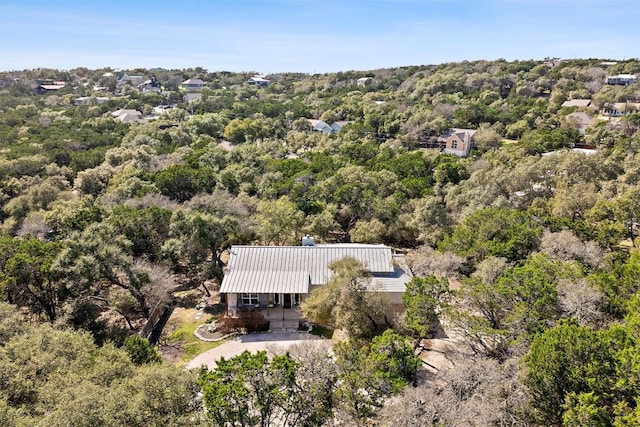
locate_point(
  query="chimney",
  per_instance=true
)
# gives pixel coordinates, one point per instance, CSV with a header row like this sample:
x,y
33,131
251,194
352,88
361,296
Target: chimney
x,y
307,240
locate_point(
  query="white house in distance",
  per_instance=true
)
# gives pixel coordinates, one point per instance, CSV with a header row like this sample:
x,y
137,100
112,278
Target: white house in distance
x,y
127,116
283,276
620,79
258,81
584,103
363,81
192,84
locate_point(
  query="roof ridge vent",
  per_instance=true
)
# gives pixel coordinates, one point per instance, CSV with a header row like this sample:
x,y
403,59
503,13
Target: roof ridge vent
x,y
307,240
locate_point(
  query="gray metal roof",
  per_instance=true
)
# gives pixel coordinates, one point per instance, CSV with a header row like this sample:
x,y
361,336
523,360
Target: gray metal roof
x,y
291,269
577,103
395,282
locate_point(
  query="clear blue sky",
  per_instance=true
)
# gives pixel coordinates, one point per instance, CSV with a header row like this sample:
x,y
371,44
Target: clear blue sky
x,y
309,35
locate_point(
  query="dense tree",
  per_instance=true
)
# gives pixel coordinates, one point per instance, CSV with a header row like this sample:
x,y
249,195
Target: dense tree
x,y
198,239
97,257
347,301
27,279
507,233
253,390
59,377
424,300
371,373
573,368
279,222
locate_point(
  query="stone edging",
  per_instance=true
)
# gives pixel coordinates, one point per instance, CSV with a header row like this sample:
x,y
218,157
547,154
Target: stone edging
x,y
200,337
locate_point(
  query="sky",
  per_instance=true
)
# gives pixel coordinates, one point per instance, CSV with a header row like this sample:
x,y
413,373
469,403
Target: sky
x,y
310,36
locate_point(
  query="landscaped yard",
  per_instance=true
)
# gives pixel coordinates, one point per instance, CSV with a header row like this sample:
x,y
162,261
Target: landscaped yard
x,y
179,345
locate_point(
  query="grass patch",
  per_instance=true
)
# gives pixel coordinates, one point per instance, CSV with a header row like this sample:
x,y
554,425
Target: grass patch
x,y
182,327
321,331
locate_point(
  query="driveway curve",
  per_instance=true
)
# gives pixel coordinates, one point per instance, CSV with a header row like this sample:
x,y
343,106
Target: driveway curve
x,y
253,343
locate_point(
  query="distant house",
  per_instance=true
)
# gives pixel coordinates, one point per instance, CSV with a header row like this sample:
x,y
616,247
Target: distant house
x,y
337,126
267,276
86,100
258,81
321,126
134,81
620,79
161,109
577,103
127,116
47,86
151,85
458,142
363,81
192,84
618,109
583,120
191,97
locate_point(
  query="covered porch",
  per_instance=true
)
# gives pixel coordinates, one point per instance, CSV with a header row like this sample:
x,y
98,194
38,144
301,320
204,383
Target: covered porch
x,y
287,319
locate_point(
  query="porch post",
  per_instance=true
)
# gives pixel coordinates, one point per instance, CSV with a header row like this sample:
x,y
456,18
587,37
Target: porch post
x,y
268,304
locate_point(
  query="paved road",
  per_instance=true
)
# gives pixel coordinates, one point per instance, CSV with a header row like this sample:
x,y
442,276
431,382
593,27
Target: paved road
x,y
252,343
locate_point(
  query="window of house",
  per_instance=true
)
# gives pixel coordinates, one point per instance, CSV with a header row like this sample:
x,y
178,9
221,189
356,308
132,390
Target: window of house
x,y
250,299
454,144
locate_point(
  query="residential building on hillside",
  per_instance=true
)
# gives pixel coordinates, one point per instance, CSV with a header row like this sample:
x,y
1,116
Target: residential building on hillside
x,y
577,103
620,79
134,81
191,97
258,81
458,142
363,81
321,126
88,100
192,84
47,86
619,109
283,276
127,116
580,119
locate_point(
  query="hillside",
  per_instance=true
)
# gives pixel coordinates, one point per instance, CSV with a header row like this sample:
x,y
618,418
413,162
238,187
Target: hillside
x,y
519,181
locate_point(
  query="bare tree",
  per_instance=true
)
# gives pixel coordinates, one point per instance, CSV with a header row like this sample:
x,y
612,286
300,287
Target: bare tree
x,y
579,300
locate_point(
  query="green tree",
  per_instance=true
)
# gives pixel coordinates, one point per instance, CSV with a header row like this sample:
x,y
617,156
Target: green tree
x,y
507,233
369,374
424,299
198,239
97,257
27,280
140,351
563,361
349,300
253,390
146,229
279,222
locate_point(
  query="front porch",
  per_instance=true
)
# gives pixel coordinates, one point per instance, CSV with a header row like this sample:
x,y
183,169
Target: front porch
x,y
287,319
281,309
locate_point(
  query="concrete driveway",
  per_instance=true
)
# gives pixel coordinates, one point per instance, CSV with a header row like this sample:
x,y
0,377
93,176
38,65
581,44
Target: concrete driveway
x,y
272,341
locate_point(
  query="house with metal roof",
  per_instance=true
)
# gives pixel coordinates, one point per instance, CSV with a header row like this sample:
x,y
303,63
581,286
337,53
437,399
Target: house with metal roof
x,y
192,84
127,116
282,276
620,79
321,126
577,103
258,81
